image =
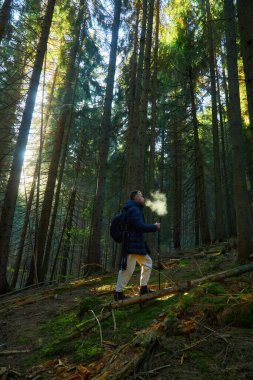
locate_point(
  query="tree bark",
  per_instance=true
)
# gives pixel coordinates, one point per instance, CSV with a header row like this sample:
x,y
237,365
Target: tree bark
x,y
242,205
151,174
98,205
32,191
215,131
142,130
227,145
177,186
4,17
62,123
130,134
67,231
11,94
9,203
227,200
245,17
199,167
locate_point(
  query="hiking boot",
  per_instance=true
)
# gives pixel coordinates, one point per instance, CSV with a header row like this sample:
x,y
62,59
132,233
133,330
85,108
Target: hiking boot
x,y
145,290
120,296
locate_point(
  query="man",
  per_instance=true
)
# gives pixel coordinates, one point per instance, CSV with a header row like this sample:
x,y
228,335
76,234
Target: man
x,y
137,249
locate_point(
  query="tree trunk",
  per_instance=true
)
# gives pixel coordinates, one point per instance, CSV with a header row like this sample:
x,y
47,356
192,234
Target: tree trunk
x,y
24,230
142,130
98,205
130,135
4,17
242,205
227,144
199,167
151,174
32,191
57,148
8,116
67,231
245,14
177,187
14,178
215,131
245,17
227,201
196,213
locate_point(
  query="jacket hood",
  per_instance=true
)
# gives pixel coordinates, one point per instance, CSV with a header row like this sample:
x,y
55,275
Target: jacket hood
x,y
130,204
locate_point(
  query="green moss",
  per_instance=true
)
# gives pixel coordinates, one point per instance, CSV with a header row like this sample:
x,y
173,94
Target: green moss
x,y
240,316
33,360
23,340
199,360
183,263
185,302
130,320
88,349
170,321
59,324
213,288
86,304
54,330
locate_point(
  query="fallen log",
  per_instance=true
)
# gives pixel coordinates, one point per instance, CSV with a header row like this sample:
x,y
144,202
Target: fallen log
x,y
181,287
13,352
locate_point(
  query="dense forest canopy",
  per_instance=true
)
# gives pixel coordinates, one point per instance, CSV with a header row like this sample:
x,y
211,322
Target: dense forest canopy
x,y
102,97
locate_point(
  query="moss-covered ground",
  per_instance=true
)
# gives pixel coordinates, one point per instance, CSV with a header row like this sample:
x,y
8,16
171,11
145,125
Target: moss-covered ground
x,y
206,331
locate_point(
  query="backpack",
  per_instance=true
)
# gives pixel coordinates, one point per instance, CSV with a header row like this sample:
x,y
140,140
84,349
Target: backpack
x,y
118,227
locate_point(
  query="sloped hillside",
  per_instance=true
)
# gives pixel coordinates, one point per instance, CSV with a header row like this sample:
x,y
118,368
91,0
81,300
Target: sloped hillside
x,y
70,331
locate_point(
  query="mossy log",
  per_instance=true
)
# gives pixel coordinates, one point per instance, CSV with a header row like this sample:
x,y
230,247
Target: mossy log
x,y
121,363
182,287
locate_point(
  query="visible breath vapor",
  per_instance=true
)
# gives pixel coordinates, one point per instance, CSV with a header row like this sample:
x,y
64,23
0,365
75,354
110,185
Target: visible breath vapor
x,y
157,203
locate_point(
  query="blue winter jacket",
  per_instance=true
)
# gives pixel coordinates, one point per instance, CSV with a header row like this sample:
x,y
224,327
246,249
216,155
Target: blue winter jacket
x,y
136,227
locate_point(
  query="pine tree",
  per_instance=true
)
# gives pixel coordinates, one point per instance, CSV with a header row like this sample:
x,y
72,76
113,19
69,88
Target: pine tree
x,y
242,206
8,208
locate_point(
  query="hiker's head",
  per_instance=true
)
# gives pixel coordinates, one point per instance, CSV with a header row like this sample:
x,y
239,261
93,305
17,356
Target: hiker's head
x,y
137,196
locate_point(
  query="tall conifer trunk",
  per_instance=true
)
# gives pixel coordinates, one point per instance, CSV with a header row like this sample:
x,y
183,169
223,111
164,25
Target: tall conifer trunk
x,y
245,17
32,191
199,167
130,134
227,200
98,205
242,205
67,232
142,130
177,186
151,173
4,17
37,272
9,203
134,121
215,130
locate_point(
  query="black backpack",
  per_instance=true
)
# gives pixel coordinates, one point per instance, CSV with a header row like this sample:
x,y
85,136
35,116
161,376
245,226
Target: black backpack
x,y
118,227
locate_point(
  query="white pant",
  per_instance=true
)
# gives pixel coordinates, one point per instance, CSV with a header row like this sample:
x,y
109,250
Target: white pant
x,y
124,276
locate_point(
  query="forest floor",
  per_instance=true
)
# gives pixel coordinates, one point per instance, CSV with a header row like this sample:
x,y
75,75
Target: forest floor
x,y
51,332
